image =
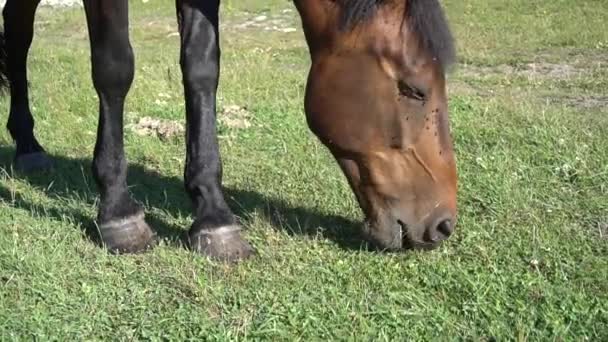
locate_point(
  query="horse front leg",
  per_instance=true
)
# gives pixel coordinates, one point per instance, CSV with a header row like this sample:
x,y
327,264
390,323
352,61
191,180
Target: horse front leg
x,y
18,34
214,232
121,220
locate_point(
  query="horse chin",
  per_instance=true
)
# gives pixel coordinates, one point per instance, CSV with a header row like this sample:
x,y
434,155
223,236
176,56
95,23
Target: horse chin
x,y
409,244
384,236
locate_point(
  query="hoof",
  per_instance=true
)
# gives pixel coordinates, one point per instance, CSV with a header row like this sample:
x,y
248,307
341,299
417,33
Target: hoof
x,y
128,235
224,243
36,161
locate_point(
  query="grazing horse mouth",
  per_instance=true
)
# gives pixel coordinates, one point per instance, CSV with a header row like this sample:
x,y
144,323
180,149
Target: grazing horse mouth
x,y
394,234
408,243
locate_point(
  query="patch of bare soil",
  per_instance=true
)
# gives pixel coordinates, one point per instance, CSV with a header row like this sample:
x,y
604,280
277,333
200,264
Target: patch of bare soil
x,y
531,70
54,3
554,64
583,101
282,22
545,67
163,129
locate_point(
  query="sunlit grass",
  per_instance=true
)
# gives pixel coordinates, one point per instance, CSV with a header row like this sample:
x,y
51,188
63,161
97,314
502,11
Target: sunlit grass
x,y
528,261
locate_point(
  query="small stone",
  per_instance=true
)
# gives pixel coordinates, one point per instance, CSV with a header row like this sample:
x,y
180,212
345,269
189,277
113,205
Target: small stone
x,y
603,229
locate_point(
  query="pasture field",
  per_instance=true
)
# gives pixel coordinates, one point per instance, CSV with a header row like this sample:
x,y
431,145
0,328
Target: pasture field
x,y
529,260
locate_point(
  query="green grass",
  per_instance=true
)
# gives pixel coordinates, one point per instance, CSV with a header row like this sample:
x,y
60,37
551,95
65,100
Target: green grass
x,y
529,260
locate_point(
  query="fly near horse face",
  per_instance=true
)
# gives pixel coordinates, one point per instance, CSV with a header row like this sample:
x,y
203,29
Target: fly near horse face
x,y
375,97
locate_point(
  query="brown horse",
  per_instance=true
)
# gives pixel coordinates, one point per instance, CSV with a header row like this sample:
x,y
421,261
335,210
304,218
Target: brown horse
x,y
376,97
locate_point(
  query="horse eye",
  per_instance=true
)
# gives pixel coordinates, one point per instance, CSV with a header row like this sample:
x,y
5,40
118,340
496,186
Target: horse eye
x,y
410,91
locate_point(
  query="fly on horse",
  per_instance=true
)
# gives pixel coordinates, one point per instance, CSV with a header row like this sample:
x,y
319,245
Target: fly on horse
x,y
375,97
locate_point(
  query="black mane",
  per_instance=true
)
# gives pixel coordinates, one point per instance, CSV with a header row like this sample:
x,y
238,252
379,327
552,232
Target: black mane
x,y
424,17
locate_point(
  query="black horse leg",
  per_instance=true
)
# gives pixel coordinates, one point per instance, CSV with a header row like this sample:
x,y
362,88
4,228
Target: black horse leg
x,y
19,30
214,232
121,220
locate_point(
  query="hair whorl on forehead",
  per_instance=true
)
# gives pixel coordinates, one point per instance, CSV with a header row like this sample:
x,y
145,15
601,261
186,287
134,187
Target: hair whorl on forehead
x,y
424,17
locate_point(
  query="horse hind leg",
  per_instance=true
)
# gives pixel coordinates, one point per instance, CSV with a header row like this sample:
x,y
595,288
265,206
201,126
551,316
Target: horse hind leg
x,y
18,34
122,226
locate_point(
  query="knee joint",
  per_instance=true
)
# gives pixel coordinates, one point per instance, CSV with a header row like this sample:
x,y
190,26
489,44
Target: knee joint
x,y
199,72
113,69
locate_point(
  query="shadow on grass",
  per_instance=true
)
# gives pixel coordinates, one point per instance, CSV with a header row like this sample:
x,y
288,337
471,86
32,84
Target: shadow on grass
x,y
71,179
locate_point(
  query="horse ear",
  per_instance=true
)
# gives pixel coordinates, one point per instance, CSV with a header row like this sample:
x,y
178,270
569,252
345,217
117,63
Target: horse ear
x,y
318,17
313,10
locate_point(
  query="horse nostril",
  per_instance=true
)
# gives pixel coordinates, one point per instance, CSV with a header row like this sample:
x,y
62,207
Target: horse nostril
x,y
439,232
445,227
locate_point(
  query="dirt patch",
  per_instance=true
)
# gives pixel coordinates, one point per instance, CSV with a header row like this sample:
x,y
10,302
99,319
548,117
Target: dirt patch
x,y
54,3
235,116
282,22
551,70
162,129
530,70
581,102
555,64
543,68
